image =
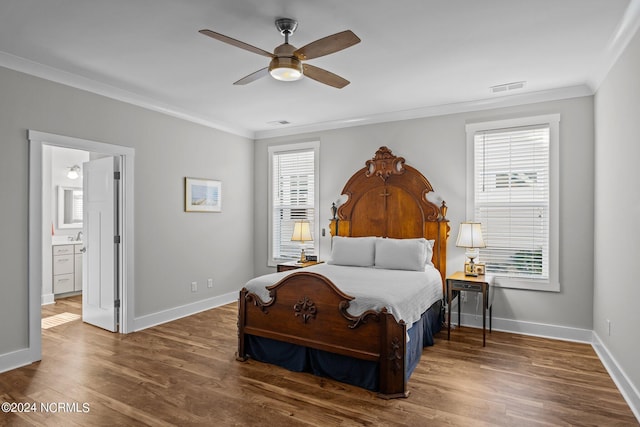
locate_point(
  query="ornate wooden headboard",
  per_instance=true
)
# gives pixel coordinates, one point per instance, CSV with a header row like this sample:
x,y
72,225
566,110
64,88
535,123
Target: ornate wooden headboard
x,y
387,198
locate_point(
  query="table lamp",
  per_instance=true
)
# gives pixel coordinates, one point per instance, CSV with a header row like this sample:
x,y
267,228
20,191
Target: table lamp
x,y
302,233
470,237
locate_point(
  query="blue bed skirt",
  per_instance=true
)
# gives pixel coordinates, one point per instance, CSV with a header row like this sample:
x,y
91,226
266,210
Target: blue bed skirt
x,y
345,369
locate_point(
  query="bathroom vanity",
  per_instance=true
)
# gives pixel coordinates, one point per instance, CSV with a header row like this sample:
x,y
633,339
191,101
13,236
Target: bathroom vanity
x,y
67,267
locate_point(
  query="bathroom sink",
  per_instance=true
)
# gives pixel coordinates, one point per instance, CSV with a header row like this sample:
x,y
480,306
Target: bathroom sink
x,y
64,240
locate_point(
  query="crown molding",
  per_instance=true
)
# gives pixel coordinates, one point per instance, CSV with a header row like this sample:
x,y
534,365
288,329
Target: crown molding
x,y
436,110
56,75
69,79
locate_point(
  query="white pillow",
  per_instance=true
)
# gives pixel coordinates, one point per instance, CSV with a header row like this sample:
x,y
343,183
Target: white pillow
x,y
403,254
429,247
430,244
353,251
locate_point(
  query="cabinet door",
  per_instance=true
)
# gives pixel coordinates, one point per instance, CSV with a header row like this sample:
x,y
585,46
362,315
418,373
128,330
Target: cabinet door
x,y
62,249
63,283
78,273
63,264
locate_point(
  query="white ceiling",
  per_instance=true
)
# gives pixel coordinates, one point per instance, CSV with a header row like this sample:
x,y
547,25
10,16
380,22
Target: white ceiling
x,y
417,57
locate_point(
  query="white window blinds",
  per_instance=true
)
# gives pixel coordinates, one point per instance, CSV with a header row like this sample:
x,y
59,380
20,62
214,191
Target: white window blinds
x,y
293,196
511,200
77,206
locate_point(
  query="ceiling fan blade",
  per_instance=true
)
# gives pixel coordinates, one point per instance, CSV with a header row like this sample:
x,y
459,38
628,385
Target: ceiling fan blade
x,y
327,45
324,76
253,76
236,43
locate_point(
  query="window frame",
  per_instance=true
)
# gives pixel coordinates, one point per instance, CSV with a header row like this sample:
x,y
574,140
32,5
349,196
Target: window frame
x,y
284,148
553,121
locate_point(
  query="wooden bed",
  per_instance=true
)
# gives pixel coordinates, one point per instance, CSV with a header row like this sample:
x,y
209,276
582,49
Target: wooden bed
x,y
386,198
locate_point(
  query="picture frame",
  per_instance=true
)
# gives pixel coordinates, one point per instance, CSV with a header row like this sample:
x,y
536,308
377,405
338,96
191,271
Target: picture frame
x,y
202,195
478,268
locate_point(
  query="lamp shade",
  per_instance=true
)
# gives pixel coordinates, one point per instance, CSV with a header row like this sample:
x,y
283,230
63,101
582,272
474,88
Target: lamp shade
x,y
470,235
74,172
301,232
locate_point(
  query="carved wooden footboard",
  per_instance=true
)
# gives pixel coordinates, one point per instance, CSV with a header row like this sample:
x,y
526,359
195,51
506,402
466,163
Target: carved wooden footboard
x,y
307,309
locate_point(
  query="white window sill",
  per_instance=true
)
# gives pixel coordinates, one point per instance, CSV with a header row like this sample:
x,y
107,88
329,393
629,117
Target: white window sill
x,y
530,285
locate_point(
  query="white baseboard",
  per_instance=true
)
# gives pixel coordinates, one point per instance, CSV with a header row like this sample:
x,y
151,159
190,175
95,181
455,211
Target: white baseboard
x,y
626,387
165,316
47,299
15,359
526,328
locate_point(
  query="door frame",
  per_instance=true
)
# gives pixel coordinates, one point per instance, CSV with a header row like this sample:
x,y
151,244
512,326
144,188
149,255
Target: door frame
x,y
37,140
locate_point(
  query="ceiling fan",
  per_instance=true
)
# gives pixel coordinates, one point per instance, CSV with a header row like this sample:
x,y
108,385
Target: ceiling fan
x,y
287,61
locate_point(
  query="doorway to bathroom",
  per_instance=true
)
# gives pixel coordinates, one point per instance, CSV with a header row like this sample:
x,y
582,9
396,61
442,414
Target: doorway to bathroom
x,y
84,218
110,296
62,201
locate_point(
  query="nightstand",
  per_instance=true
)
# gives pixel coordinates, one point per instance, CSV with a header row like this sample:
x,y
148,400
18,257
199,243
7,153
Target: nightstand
x,y
459,282
293,265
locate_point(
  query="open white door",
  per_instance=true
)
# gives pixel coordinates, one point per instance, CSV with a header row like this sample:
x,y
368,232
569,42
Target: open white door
x,y
100,286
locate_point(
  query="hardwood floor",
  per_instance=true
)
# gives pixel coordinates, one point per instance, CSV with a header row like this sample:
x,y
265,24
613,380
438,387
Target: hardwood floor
x,y
184,373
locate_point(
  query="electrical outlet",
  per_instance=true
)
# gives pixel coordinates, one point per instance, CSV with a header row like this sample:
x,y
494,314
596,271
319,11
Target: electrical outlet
x,y
209,283
608,327
194,286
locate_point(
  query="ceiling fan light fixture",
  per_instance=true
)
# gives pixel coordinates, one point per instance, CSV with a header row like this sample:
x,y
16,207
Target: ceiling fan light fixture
x,y
285,69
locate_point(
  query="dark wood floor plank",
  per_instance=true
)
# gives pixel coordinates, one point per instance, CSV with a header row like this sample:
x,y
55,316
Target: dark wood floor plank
x,y
185,373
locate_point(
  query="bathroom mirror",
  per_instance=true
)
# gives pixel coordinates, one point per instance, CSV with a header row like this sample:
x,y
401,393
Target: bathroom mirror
x,y
69,207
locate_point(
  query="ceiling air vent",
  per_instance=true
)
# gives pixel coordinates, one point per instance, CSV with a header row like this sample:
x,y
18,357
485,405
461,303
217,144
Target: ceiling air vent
x,y
507,87
279,123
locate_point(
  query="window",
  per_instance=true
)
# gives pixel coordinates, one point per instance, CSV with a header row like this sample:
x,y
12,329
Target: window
x,y
293,193
513,194
77,207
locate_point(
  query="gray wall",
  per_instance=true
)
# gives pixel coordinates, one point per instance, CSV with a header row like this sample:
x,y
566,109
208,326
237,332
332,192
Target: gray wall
x,y
617,211
173,248
436,147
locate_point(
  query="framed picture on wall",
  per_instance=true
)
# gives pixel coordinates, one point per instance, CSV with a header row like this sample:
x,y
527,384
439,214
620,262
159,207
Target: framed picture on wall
x,y
202,195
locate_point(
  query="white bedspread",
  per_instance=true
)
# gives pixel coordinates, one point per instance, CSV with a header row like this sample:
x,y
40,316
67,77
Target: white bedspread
x,y
405,294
